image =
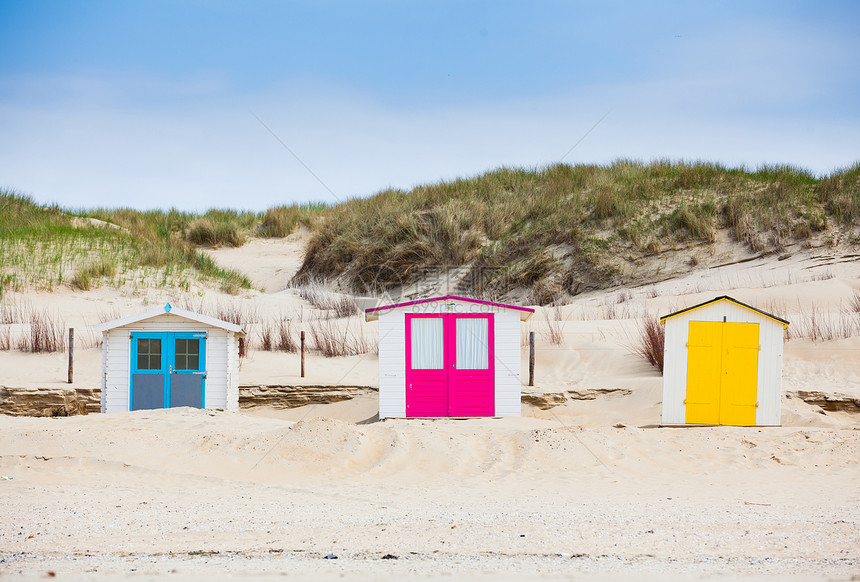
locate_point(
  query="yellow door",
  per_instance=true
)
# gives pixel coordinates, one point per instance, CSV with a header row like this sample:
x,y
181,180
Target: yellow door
x,y
722,373
738,392
704,372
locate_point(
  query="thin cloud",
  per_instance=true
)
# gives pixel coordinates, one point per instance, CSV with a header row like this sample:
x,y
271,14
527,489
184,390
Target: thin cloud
x,y
198,154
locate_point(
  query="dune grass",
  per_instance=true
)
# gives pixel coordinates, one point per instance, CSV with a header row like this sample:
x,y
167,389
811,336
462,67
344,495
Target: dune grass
x,y
558,229
217,228
317,294
47,334
278,335
818,325
43,330
43,246
333,340
554,330
551,231
281,221
87,276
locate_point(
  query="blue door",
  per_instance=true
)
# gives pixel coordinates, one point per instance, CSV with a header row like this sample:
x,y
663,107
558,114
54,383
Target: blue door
x,y
167,370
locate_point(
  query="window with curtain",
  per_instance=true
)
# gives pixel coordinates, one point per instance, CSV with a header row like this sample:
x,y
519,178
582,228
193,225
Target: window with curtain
x,y
473,345
426,343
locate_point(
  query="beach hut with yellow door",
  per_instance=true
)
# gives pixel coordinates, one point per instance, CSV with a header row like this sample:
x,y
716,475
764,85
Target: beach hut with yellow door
x,y
722,365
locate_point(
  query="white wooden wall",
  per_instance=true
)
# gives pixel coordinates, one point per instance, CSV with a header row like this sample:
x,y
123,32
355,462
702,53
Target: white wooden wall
x,y
116,347
392,356
507,372
217,368
222,362
232,376
769,382
392,364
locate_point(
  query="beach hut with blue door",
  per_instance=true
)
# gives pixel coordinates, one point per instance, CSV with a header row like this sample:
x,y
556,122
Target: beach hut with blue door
x,y
169,357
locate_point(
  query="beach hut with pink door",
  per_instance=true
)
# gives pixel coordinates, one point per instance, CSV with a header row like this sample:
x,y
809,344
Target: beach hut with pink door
x,y
449,356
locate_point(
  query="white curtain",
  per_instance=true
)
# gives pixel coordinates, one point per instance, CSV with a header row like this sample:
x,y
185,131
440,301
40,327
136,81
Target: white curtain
x,y
473,346
426,343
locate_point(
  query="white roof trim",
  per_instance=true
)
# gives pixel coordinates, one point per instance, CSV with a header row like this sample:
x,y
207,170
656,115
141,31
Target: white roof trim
x,y
169,310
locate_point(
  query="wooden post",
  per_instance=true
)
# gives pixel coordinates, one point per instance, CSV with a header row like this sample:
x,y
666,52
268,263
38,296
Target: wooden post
x,y
71,354
302,335
531,358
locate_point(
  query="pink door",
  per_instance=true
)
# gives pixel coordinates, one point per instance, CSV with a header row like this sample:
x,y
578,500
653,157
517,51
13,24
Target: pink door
x,y
449,365
469,341
426,376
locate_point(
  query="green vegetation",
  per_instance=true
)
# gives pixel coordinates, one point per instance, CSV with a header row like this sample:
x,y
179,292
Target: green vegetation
x,y
219,228
563,228
552,231
41,247
215,228
45,246
282,221
86,276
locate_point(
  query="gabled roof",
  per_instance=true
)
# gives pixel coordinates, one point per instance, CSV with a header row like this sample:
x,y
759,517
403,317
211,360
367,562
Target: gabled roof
x,y
170,310
726,298
372,314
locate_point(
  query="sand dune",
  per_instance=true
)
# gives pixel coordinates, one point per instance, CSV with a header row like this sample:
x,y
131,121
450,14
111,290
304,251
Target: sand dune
x,y
589,488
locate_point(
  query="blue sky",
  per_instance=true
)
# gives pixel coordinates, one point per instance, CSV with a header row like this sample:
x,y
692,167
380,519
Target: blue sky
x,y
158,104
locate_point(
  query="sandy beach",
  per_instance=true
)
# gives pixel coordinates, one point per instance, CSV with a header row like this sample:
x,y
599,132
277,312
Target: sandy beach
x,y
590,489
97,495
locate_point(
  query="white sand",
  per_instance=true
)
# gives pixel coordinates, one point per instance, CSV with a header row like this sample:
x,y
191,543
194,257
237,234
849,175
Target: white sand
x,y
557,494
156,488
270,263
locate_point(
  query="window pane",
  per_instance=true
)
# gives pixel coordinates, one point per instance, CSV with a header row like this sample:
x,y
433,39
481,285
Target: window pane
x,y
426,333
179,355
155,354
187,354
473,346
149,354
